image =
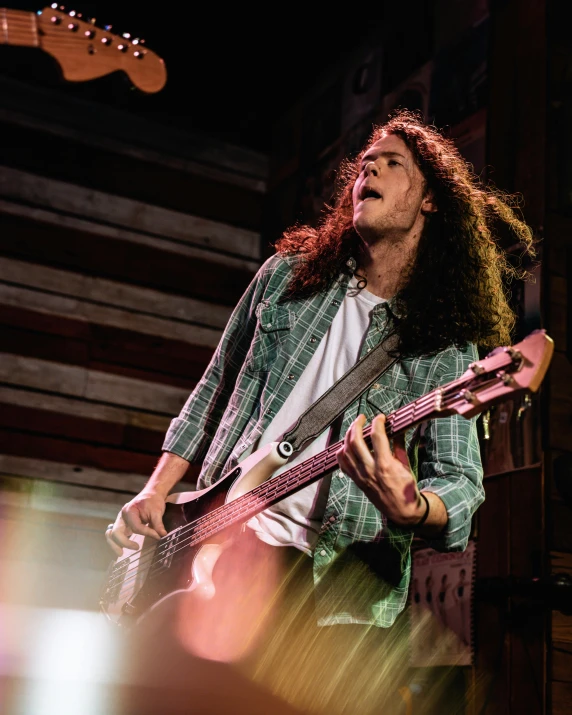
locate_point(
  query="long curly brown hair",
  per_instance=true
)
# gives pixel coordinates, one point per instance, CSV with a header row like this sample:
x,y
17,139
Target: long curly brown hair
x,y
457,289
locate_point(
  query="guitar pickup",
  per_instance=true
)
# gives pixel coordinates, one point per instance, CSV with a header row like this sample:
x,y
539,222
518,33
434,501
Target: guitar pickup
x,y
166,550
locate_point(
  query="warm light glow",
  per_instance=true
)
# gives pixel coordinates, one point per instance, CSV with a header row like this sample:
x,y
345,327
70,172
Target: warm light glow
x,y
222,621
66,660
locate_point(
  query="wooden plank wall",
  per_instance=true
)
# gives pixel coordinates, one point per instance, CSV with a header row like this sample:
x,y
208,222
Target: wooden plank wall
x,y
558,266
512,628
124,247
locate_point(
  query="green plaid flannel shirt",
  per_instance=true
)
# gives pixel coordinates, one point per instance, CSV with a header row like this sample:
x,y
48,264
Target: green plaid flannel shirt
x,y
362,564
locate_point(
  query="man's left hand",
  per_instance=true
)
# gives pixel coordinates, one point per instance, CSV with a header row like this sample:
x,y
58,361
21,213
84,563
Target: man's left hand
x,y
382,474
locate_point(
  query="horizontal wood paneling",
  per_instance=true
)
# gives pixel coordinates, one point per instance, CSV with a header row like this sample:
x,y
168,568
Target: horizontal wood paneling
x,y
100,481
91,385
35,399
95,229
65,159
51,471
212,240
90,296
48,447
98,347
134,135
84,429
73,249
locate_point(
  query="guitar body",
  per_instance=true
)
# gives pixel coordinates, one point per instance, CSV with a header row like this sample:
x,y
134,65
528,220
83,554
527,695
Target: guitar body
x,y
143,579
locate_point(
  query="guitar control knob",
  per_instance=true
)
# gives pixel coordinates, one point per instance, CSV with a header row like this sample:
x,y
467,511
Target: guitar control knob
x,y
90,34
55,20
106,41
138,54
122,47
74,27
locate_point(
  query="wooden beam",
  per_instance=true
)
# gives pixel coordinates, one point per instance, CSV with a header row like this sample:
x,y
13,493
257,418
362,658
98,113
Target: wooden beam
x,y
77,223
80,408
88,430
91,385
99,292
77,474
72,247
86,312
100,347
67,159
116,211
48,447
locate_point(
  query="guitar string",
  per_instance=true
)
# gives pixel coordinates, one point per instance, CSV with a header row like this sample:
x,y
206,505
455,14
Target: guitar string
x,y
209,524
262,497
19,29
69,40
203,524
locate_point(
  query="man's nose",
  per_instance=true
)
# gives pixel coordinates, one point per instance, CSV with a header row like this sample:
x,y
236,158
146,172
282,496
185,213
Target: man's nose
x,y
371,168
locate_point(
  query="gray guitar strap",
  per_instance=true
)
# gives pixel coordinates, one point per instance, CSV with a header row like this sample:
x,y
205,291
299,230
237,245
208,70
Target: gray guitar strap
x,y
341,394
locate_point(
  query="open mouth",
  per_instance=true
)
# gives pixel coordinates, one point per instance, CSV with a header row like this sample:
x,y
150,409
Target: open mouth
x,y
368,193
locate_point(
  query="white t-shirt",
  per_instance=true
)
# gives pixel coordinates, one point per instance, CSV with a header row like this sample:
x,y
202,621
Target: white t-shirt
x,y
296,520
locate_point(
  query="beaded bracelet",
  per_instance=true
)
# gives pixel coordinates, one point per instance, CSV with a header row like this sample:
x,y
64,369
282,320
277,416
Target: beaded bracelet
x,y
424,517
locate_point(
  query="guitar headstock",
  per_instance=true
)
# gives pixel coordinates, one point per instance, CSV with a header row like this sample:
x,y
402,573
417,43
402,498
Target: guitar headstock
x,y
85,51
504,374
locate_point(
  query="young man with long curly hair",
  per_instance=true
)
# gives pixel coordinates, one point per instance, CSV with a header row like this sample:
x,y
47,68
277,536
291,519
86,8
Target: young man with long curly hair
x,y
409,246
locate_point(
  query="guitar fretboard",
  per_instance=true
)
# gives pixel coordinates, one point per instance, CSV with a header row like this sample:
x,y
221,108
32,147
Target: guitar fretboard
x,y
18,27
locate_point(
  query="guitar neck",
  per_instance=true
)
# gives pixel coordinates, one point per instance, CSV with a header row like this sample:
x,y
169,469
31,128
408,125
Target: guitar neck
x,y
426,407
18,27
310,470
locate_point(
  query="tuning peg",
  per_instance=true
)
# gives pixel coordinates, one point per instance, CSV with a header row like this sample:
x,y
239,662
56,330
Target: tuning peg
x,y
107,28
135,41
71,13
126,35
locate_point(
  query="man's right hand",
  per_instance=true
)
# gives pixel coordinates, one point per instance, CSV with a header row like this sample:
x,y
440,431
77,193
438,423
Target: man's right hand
x,y
142,515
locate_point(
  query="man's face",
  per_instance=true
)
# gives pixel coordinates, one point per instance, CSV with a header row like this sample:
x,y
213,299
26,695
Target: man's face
x,y
388,195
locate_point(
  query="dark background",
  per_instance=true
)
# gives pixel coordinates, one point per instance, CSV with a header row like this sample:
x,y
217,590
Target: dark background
x,y
232,70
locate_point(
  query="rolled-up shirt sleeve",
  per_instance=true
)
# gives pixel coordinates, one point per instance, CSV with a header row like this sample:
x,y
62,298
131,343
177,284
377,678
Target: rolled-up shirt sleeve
x,y
452,466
